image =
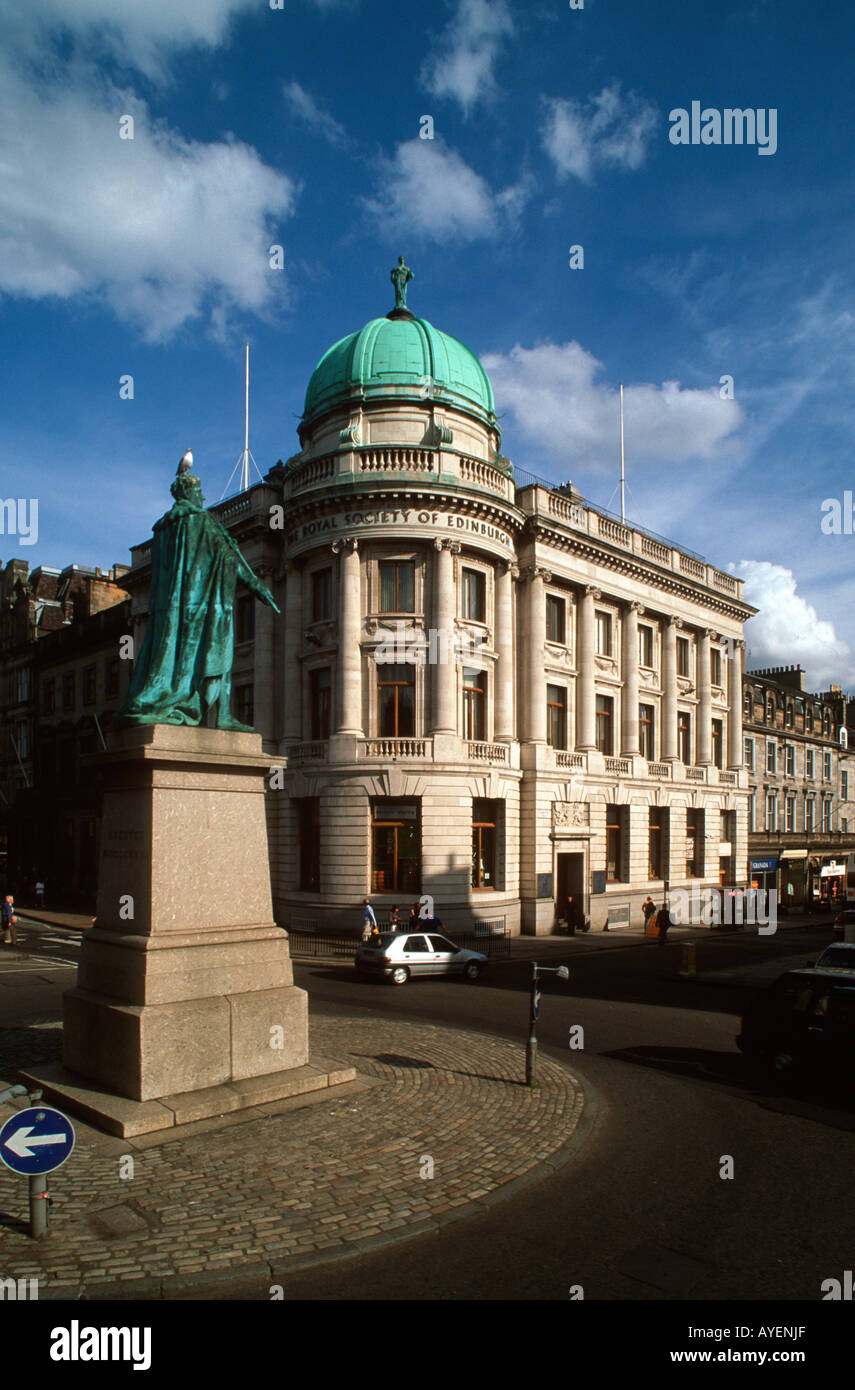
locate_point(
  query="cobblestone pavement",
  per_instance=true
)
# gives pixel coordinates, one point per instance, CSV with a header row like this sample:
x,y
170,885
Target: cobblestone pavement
x,y
439,1120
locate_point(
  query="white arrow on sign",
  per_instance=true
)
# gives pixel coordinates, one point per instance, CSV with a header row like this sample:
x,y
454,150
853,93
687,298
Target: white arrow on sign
x,y
23,1141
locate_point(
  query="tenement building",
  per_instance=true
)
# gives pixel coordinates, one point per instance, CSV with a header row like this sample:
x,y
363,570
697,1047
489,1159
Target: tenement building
x,y
801,770
481,688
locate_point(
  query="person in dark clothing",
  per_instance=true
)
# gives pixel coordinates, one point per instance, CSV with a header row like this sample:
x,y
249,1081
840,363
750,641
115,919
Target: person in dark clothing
x,y
8,920
663,922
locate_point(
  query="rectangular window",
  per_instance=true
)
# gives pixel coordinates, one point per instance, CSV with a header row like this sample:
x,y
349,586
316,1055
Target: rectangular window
x,y
657,842
245,618
826,814
809,818
474,596
604,633
321,595
809,763
68,690
485,823
684,736
397,586
320,702
715,666
646,731
826,767
771,812
752,816
111,673
605,707
49,695
243,703
717,742
89,685
474,704
395,846
682,656
771,757
308,810
645,646
790,756
844,786
694,844
396,706
23,685
555,619
614,842
556,716
791,813
748,753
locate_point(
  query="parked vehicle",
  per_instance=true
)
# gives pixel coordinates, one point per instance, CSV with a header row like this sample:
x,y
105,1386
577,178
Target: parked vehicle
x,y
840,956
843,920
803,1025
398,957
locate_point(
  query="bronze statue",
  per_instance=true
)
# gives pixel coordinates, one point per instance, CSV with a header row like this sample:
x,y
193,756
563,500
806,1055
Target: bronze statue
x,y
185,660
401,277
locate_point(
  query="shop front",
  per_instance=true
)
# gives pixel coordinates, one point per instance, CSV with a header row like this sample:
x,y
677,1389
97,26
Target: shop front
x,y
763,873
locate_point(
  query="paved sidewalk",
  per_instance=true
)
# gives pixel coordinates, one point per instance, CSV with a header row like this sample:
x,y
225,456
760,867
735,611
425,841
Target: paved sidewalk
x,y
439,1125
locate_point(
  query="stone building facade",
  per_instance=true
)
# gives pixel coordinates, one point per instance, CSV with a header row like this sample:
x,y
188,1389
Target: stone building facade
x,y
481,688
801,770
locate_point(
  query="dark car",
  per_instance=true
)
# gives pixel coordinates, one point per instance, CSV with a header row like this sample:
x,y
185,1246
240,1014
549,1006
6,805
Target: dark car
x,y
803,1026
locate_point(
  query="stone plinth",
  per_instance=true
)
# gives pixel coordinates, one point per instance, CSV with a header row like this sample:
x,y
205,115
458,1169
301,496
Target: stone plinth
x,y
185,981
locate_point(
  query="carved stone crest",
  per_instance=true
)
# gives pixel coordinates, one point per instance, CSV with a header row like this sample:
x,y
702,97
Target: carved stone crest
x,y
570,814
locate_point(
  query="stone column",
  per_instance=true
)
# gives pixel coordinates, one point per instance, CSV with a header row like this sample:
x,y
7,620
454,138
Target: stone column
x,y
629,704
262,661
704,700
444,609
506,573
292,723
586,705
734,705
349,713
535,686
669,691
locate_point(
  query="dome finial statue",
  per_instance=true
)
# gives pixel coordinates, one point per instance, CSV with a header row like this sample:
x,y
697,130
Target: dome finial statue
x,y
401,276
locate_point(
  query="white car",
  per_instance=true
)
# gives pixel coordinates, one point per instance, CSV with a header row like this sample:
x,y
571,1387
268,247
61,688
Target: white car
x,y
397,956
840,956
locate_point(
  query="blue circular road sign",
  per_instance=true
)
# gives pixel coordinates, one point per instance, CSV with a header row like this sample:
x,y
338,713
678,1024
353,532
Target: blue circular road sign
x,y
36,1140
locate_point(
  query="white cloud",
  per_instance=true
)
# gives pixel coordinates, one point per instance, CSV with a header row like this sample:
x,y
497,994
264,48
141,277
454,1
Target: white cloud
x,y
427,188
788,630
139,32
160,227
557,404
610,130
306,108
461,65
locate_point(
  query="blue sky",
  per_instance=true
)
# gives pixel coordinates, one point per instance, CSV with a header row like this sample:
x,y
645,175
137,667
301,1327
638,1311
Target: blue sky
x,y
300,127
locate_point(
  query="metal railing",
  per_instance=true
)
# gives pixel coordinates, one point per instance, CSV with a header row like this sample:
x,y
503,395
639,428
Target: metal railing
x,y
491,936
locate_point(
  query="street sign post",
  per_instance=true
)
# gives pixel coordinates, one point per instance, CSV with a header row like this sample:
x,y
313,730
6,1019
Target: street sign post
x,y
34,1142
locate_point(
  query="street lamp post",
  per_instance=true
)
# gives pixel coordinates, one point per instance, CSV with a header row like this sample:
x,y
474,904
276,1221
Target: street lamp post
x,y
534,1014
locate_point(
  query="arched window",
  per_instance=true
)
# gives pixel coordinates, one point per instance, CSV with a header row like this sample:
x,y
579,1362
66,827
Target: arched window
x,y
844,737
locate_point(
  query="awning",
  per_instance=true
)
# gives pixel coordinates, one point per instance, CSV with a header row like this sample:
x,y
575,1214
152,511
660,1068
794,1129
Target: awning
x,y
794,854
767,866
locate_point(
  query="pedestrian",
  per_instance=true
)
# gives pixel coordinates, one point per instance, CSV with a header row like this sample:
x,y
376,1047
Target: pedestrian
x,y
394,920
663,922
648,907
368,919
415,916
40,894
571,915
8,920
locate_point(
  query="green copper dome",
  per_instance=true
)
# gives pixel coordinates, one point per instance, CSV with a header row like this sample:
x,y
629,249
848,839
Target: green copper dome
x,y
405,357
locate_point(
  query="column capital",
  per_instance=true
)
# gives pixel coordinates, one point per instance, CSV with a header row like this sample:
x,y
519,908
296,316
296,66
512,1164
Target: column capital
x,y
345,543
508,567
633,606
446,543
590,591
537,572
676,623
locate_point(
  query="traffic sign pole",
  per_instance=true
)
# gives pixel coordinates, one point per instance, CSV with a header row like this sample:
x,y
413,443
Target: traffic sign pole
x,y
39,1200
533,1015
